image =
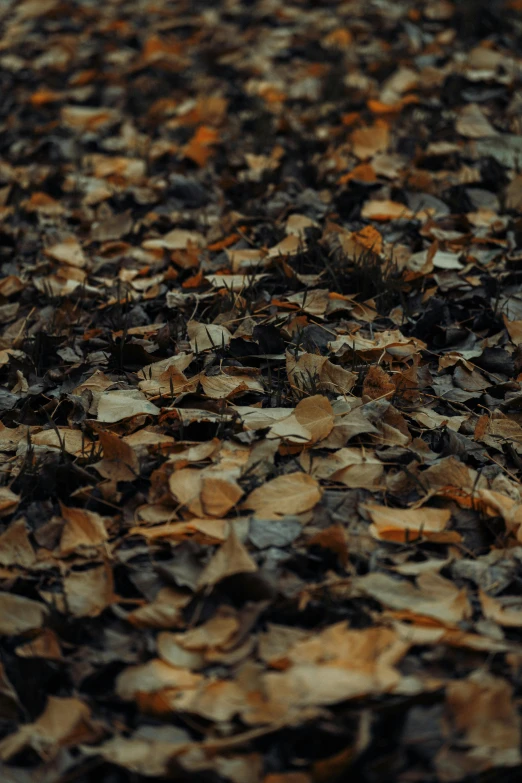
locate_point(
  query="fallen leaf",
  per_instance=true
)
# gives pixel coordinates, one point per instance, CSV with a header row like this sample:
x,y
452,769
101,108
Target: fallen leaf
x,y
400,525
231,558
64,722
19,614
292,493
119,462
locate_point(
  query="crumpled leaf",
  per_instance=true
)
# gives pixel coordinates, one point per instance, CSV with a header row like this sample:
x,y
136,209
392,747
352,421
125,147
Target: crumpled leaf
x,y
64,722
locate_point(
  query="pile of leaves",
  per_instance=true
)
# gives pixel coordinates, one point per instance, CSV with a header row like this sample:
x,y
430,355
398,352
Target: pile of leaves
x,y
261,391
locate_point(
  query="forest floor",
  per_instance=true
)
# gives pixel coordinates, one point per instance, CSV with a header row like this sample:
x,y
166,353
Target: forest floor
x,y
261,391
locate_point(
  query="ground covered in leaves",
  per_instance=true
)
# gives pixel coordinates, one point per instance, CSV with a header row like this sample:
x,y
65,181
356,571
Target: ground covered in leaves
x,y
261,391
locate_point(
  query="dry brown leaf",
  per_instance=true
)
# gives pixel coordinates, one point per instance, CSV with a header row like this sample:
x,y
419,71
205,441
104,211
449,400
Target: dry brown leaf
x,y
170,651
142,754
316,415
64,722
480,714
472,123
82,529
115,406
165,611
119,462
292,493
177,239
72,441
216,700
433,597
88,118
9,501
219,494
352,467
153,676
205,531
408,524
493,609
385,210
332,666
377,383
231,558
44,645
185,485
19,614
367,142
203,337
15,546
68,251
223,386
513,198
89,592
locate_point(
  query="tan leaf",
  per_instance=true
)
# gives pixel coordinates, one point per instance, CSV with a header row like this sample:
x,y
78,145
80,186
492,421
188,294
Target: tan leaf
x,y
513,197
297,224
170,651
316,414
88,118
203,337
15,547
292,493
165,611
44,645
472,123
482,727
409,524
167,378
153,676
233,282
141,754
385,210
493,609
204,531
224,385
219,495
82,529
366,142
231,558
67,252
124,404
514,328
432,596
119,462
216,700
186,485
177,239
333,665
9,501
72,441
19,614
291,430
89,592
64,722
289,246
352,467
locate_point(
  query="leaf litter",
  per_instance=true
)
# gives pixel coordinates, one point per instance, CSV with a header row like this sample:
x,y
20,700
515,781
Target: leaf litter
x,y
261,430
